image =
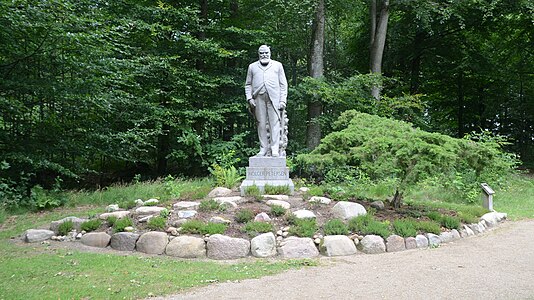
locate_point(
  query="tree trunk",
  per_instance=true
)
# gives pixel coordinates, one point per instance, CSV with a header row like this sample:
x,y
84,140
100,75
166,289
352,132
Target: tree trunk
x,y
379,27
461,104
397,199
316,69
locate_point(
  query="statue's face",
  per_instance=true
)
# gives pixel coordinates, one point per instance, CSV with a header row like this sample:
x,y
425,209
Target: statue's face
x,y
265,54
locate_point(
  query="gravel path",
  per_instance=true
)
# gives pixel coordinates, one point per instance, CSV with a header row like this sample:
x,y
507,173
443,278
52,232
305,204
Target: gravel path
x,y
498,264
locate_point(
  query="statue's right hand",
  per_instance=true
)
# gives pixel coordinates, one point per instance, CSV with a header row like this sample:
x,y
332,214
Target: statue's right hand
x,y
252,102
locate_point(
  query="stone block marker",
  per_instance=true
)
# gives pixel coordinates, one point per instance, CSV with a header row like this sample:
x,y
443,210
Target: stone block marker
x,y
96,239
348,210
337,245
225,247
153,242
372,244
124,241
37,235
186,247
266,170
395,243
295,247
263,245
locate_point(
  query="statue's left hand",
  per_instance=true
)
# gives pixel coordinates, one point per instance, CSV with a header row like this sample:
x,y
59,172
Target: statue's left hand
x,y
282,106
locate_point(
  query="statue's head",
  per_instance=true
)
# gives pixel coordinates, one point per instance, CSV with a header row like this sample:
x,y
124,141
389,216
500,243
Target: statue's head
x,y
265,54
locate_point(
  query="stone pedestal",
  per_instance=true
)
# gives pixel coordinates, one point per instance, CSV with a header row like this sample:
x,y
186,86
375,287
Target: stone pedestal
x,y
265,170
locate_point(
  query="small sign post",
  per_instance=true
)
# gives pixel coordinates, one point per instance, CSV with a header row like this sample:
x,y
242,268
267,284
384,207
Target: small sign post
x,y
487,196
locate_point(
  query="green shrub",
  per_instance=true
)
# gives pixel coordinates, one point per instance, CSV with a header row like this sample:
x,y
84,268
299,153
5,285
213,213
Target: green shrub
x,y
3,216
120,224
450,222
254,192
154,203
91,225
44,199
65,227
192,226
156,223
405,227
428,227
335,227
129,204
208,205
304,228
367,224
467,218
172,188
277,210
277,190
111,220
213,228
244,215
254,228
228,177
291,219
165,213
434,216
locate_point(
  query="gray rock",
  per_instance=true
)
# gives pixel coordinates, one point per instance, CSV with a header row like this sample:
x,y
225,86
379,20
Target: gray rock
x,y
276,197
96,239
139,202
395,243
151,202
112,208
433,240
262,217
220,220
186,205
348,210
379,205
372,244
501,216
337,245
304,189
304,214
149,210
321,200
283,204
129,229
421,240
76,223
263,245
144,219
410,242
186,247
225,247
152,242
219,192
492,219
475,228
463,233
468,230
234,199
446,237
455,234
295,247
37,235
186,214
124,241
117,214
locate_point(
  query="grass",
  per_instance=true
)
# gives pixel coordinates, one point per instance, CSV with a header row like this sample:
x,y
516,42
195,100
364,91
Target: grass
x,y
517,199
304,228
121,224
367,224
157,223
277,190
253,228
208,205
335,227
405,227
244,215
91,225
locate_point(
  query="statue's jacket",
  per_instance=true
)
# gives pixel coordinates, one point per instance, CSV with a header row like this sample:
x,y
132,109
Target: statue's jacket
x,y
272,76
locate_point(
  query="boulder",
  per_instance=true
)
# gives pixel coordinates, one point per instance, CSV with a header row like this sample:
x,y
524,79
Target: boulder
x,y
186,214
225,247
262,217
433,240
76,223
446,237
124,241
186,247
304,214
421,240
186,205
153,242
304,189
378,205
295,247
372,244
395,243
112,208
276,197
219,192
337,245
151,202
234,199
455,234
117,214
37,235
149,210
410,243
321,200
96,239
283,204
263,245
476,228
493,218
468,230
348,210
220,220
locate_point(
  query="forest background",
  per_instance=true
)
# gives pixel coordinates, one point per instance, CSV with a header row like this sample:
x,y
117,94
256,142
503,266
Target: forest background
x,y
94,92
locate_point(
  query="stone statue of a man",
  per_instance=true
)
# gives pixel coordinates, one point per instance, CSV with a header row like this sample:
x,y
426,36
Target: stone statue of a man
x,y
266,92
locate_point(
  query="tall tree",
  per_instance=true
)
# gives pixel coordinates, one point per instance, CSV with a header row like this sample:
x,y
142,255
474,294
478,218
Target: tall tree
x,y
379,27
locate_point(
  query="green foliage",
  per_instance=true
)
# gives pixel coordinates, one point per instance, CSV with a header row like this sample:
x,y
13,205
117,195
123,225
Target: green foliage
x,y
157,223
65,227
213,228
3,216
467,218
111,220
434,216
254,192
151,203
244,216
254,228
172,189
208,205
277,210
304,227
120,224
366,224
192,227
277,190
128,204
405,227
450,222
48,199
228,177
428,227
91,225
165,213
335,227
